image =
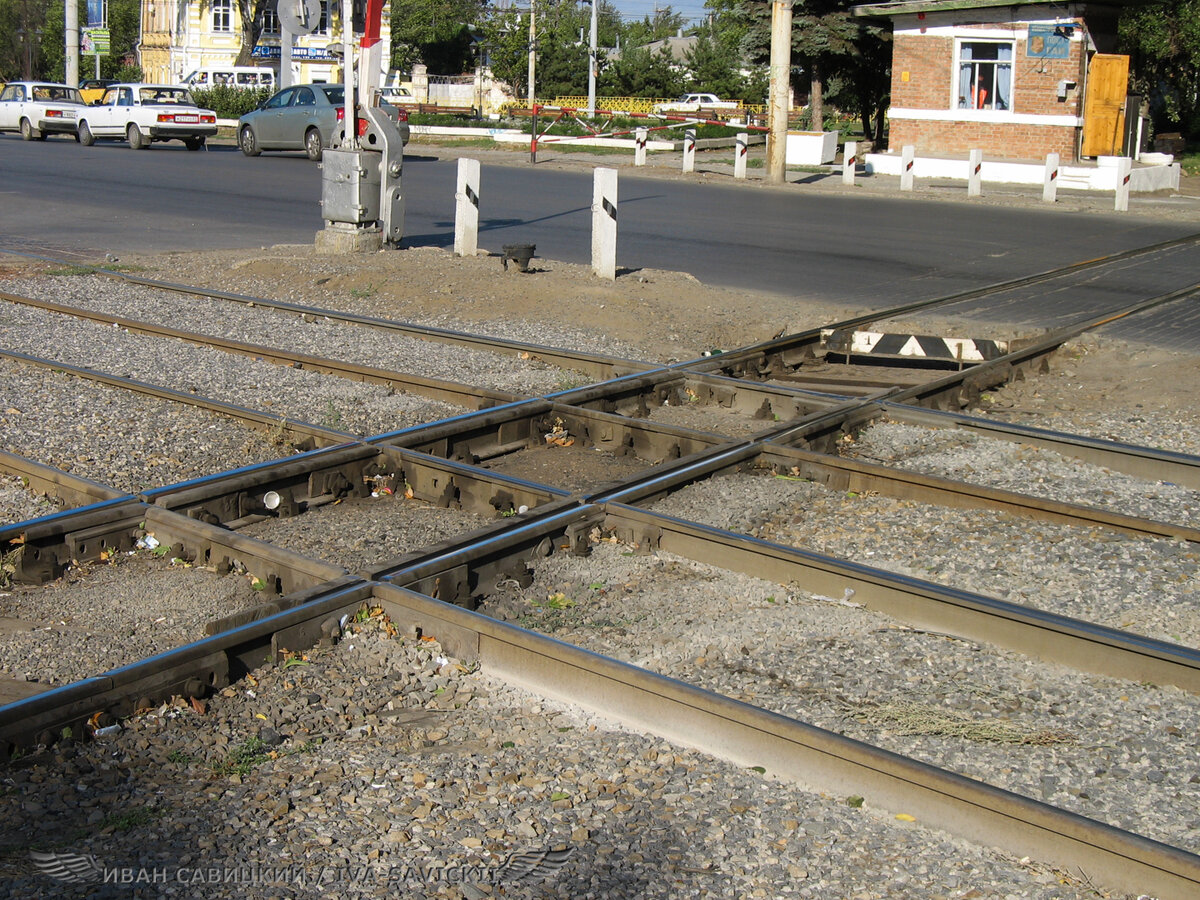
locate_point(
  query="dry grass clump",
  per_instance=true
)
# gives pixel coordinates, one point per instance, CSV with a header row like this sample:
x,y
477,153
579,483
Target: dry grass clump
x,y
911,717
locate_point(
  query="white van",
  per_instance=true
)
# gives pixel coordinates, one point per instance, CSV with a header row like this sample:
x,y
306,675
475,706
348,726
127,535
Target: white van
x,y
234,76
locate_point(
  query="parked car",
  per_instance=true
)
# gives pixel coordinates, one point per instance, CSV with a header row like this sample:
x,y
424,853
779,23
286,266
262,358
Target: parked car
x,y
302,117
93,89
144,113
39,108
696,103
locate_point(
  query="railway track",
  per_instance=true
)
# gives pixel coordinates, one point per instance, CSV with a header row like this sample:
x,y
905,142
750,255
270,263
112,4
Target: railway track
x,y
489,471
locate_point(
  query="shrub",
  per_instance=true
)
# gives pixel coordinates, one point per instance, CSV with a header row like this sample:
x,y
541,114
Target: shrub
x,y
230,102
448,120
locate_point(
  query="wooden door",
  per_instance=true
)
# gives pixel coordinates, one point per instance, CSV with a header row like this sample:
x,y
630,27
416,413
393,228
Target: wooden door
x,y
1104,105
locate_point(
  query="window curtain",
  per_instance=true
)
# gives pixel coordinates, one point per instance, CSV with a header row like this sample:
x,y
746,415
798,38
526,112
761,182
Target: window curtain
x,y
1004,76
964,76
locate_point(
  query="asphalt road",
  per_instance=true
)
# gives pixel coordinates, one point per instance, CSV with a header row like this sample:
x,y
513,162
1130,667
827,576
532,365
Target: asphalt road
x,y
59,197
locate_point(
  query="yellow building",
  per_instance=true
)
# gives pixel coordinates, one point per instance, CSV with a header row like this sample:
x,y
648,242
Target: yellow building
x,y
180,37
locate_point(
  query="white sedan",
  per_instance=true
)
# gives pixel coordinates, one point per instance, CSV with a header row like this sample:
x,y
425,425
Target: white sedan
x,y
144,113
37,108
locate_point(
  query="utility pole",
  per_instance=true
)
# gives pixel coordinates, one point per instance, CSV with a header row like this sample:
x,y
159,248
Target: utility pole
x,y
532,50
71,30
781,69
286,41
592,62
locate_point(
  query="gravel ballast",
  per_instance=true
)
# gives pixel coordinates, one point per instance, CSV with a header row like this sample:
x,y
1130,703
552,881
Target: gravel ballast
x,y
382,752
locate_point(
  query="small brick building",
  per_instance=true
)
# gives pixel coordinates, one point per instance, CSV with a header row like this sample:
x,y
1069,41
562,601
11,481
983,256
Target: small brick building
x,y
1015,78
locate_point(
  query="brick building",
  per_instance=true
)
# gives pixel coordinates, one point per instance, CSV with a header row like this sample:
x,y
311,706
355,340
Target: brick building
x,y
1017,79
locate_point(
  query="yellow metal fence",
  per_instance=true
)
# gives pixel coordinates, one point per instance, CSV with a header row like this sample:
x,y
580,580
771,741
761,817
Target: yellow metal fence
x,y
634,104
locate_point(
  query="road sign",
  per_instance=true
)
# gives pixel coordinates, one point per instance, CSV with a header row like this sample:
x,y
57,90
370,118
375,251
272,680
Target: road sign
x,y
299,16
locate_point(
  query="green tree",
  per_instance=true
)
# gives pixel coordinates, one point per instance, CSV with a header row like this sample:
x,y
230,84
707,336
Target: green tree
x,y
863,82
1163,42
714,66
664,24
52,50
562,46
49,54
642,73
437,33
506,48
124,25
21,24
830,45
562,66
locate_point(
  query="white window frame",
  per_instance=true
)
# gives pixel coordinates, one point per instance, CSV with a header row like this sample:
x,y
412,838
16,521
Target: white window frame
x,y
222,16
271,22
988,112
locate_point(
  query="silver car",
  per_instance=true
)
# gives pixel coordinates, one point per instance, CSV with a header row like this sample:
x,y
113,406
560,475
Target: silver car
x,y
302,117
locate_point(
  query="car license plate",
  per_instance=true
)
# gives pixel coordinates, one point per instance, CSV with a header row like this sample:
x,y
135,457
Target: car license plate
x,y
186,120
68,113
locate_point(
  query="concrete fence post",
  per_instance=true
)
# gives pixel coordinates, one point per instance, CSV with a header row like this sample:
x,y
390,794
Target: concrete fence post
x,y
741,148
689,150
1050,179
639,146
975,174
466,209
906,167
604,223
1124,165
849,162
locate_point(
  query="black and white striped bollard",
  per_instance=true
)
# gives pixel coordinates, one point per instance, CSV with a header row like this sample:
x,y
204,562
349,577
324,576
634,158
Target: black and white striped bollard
x,y
604,223
466,211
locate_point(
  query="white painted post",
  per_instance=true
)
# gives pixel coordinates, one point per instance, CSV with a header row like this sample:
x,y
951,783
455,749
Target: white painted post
x,y
1050,179
849,162
466,219
975,174
466,210
604,223
906,167
741,148
639,147
1124,165
689,150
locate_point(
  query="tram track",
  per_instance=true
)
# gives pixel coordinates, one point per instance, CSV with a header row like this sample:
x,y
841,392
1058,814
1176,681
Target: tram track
x,y
440,463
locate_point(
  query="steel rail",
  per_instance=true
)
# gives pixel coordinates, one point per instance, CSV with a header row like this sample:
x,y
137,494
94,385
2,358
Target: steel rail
x,y
980,380
1148,463
43,479
194,670
599,364
608,366
680,712
787,351
799,752
840,474
987,620
957,389
655,385
303,432
469,396
638,395
651,703
279,570
448,572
